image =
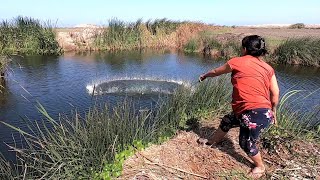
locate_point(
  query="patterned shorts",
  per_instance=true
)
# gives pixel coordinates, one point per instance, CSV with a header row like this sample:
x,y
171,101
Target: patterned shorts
x,y
251,123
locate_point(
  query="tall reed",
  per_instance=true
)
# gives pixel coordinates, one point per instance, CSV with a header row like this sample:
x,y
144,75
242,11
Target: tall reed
x,y
294,122
302,51
24,35
164,25
120,35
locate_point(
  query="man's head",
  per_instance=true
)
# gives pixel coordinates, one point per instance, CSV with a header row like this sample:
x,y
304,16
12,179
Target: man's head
x,y
254,45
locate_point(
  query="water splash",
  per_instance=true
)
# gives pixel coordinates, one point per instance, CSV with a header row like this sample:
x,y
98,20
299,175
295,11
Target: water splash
x,y
135,85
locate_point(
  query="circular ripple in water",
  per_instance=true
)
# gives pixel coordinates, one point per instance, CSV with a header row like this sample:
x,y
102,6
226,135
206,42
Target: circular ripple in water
x,y
134,86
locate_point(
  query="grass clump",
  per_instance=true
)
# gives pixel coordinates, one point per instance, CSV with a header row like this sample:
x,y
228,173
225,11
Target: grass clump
x,y
192,46
6,170
95,146
232,49
302,51
25,35
214,44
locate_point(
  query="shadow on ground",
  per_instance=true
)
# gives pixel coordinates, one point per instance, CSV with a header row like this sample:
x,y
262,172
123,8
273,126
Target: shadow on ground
x,y
227,145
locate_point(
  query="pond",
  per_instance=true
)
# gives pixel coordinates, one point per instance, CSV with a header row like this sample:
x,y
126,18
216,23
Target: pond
x,y
77,81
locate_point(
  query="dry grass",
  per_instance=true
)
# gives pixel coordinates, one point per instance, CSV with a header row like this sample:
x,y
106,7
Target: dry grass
x,y
183,158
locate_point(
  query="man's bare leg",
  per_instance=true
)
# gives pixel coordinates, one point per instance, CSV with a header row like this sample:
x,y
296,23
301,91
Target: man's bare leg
x,y
259,168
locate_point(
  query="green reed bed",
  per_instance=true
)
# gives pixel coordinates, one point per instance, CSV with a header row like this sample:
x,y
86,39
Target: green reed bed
x,y
211,46
207,42
162,26
302,51
119,35
95,146
24,35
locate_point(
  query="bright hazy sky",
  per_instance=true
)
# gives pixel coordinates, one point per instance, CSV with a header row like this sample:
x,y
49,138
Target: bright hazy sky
x,y
222,12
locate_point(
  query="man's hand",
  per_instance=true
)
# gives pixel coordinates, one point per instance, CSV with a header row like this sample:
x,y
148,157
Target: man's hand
x,y
274,118
202,77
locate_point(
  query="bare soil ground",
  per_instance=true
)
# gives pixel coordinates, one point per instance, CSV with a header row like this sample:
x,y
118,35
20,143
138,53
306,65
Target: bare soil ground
x,y
281,33
183,158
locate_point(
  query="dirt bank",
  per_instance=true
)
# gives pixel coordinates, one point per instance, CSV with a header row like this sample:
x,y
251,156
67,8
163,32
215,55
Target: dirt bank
x,y
79,38
183,158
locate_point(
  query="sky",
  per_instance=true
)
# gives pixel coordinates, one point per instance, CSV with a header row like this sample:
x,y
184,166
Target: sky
x,y
68,13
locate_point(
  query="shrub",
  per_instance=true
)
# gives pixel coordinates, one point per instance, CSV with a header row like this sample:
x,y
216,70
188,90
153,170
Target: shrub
x,y
297,26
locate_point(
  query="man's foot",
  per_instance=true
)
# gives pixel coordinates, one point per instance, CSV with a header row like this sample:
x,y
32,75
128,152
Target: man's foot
x,y
257,172
205,142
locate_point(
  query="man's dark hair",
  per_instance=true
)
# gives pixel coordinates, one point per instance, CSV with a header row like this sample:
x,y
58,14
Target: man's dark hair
x,y
255,45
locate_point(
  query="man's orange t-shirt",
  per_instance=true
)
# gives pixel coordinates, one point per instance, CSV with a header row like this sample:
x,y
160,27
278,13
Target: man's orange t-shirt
x,y
251,83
